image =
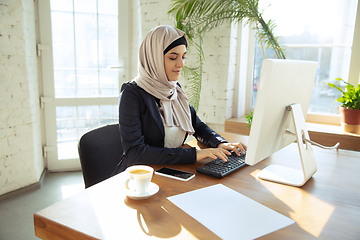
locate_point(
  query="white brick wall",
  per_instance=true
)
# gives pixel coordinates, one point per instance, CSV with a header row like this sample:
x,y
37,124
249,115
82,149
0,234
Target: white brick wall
x,y
21,162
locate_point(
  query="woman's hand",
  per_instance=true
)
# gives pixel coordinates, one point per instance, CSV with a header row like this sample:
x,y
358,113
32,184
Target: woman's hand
x,y
233,147
212,153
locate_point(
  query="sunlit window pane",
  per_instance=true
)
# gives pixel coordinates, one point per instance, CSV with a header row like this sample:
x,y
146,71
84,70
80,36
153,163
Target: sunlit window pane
x,y
108,7
63,40
88,117
66,131
61,5
86,40
108,114
65,83
87,6
108,43
87,83
108,83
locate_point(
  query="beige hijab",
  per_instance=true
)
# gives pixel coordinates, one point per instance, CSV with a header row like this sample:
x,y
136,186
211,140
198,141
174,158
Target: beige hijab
x,y
174,104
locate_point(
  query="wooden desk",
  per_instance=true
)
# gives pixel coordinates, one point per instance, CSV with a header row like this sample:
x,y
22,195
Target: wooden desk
x,y
326,207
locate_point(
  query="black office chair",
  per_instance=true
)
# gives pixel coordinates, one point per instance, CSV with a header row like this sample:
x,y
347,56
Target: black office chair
x,y
100,150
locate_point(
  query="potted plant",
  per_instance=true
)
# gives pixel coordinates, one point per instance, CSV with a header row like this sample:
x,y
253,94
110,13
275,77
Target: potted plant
x,y
350,108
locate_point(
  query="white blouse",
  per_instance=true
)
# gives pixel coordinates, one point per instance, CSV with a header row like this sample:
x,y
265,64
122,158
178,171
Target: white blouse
x,y
174,136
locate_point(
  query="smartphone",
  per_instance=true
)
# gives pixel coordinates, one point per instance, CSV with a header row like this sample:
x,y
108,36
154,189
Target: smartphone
x,y
175,174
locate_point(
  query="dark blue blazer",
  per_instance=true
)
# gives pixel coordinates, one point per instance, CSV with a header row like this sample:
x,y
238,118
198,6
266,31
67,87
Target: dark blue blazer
x,y
142,131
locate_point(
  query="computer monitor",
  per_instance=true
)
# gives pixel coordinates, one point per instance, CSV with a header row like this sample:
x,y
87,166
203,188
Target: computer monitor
x,y
281,106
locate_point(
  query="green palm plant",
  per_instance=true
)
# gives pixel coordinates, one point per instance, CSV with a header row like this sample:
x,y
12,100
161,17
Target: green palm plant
x,y
196,17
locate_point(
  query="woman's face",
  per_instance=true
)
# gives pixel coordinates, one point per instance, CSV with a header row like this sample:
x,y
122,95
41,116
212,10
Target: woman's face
x,y
174,61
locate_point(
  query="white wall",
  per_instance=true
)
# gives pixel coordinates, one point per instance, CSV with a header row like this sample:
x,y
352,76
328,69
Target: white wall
x,y
21,162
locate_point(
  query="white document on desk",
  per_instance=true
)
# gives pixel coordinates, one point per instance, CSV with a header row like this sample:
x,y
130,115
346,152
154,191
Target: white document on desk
x,y
229,214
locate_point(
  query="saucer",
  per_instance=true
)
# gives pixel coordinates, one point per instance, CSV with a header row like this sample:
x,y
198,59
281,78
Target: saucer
x,y
153,189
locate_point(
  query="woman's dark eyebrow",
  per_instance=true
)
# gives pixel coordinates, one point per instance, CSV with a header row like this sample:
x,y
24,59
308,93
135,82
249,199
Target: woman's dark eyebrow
x,y
177,53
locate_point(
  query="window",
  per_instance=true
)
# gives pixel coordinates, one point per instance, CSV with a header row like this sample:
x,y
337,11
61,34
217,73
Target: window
x,y
319,31
85,46
82,73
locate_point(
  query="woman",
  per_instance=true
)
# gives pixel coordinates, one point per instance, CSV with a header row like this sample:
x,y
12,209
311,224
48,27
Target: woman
x,y
154,113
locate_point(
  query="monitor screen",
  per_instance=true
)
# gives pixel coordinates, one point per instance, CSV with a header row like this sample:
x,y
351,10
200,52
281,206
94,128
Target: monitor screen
x,y
282,82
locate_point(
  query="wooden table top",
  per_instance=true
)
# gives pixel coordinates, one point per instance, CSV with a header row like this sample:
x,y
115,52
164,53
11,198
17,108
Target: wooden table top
x,y
326,207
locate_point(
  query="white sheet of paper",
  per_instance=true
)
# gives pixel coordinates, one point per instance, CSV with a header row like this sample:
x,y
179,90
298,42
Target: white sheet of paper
x,y
229,214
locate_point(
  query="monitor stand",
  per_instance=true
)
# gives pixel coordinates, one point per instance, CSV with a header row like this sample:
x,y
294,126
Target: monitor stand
x,y
290,176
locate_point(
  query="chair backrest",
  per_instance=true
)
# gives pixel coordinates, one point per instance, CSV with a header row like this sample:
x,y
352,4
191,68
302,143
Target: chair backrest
x,y
100,151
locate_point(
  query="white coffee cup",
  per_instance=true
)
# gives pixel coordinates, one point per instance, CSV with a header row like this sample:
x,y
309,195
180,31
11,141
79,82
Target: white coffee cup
x,y
139,178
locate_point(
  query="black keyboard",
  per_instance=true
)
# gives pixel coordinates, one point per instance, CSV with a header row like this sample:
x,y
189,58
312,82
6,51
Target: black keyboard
x,y
219,169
